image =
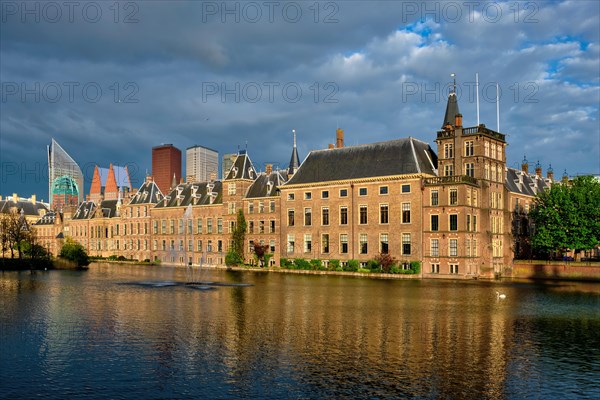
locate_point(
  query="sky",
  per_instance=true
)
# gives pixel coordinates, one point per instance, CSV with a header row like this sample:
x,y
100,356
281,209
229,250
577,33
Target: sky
x,y
110,80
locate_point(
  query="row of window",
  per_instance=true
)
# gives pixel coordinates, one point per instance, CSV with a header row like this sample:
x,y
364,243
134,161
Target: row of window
x,y
453,197
363,191
189,225
261,207
363,243
471,222
470,249
261,227
435,268
140,211
490,150
363,215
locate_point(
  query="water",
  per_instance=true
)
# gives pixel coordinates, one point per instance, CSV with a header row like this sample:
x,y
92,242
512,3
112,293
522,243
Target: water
x,y
141,332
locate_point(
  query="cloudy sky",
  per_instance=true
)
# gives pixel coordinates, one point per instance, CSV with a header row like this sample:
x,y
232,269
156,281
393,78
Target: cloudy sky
x,y
110,80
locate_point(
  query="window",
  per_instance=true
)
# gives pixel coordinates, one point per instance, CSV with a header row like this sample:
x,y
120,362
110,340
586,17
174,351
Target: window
x,y
363,215
180,245
154,244
199,245
406,213
486,171
290,217
486,149
261,207
448,150
272,226
384,243
272,206
383,214
290,196
343,243
220,246
435,198
307,217
474,223
250,208
343,215
251,227
272,246
453,248
453,222
209,246
435,223
469,148
164,245
180,227
172,227
363,243
219,225
307,242
155,227
199,226
325,194
493,151
470,169
468,247
190,245
209,225
231,189
231,208
474,248
261,227
383,190
453,197
406,243
448,170
343,192
435,247
290,243
468,223
307,195
435,268
325,243
325,216
454,268
362,191
406,188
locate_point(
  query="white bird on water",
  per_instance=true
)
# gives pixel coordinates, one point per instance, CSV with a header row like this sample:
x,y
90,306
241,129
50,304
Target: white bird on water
x,y
500,295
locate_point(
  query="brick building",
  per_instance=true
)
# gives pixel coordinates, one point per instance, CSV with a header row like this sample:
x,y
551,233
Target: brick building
x,y
166,166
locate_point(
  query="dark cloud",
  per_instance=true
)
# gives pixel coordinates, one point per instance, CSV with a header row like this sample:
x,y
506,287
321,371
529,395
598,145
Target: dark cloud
x,y
358,70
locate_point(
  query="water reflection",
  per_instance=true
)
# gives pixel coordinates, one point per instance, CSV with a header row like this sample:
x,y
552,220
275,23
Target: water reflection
x,y
135,331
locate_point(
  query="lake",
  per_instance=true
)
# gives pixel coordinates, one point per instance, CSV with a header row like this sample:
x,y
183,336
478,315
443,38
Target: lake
x,y
141,332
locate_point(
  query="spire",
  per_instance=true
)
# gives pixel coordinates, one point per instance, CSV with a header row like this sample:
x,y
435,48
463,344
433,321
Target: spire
x,y
294,161
451,107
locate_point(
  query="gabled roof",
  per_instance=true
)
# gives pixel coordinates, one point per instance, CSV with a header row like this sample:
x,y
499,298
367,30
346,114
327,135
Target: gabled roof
x,y
242,168
85,210
148,193
394,157
197,193
266,185
519,182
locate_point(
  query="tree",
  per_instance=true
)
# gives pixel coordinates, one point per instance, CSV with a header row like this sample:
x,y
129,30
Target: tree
x,y
75,252
238,236
259,252
567,216
386,261
14,229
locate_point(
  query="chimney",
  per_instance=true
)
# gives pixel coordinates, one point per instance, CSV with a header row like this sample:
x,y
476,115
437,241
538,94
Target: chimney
x,y
550,173
525,165
330,146
149,178
269,169
458,120
15,198
339,138
33,199
538,170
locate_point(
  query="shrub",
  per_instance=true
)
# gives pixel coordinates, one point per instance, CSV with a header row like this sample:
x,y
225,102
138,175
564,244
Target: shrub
x,y
74,251
364,270
112,258
395,269
386,261
283,262
352,266
374,266
121,258
316,264
334,265
339,269
267,257
415,266
233,259
302,264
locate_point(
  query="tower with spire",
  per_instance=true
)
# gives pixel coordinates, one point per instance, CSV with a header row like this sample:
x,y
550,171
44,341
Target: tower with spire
x,y
294,161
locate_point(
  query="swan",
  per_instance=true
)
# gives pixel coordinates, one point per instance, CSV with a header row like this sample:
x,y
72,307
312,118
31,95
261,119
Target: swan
x,y
500,295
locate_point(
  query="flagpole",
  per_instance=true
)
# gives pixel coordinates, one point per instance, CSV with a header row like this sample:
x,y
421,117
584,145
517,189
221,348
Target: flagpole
x,y
497,107
477,93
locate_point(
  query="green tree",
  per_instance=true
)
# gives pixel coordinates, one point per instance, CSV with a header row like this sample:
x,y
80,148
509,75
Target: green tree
x,y
567,216
74,251
238,236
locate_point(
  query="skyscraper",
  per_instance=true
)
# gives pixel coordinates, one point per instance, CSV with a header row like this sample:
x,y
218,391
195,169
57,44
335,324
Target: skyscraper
x,y
228,160
166,163
200,163
65,179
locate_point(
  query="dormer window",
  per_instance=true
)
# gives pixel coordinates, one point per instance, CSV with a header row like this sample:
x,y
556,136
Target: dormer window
x,y
269,187
235,171
250,172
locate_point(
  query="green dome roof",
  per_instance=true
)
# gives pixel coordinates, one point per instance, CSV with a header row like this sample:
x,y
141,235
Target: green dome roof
x,y
65,185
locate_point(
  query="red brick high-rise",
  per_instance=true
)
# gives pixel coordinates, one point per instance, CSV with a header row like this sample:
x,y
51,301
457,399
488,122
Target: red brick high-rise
x,y
166,162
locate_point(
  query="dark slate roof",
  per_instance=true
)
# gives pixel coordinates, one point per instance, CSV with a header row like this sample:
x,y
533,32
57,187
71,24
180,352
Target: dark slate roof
x,y
48,219
395,157
148,193
85,210
26,205
109,208
267,185
294,161
519,182
242,168
451,110
196,193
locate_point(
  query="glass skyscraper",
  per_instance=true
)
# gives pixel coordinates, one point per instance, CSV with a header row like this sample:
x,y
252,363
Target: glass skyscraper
x,y
65,179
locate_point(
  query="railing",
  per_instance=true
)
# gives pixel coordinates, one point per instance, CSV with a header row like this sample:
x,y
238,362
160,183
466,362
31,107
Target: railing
x,y
482,129
451,180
